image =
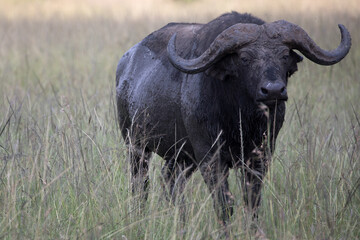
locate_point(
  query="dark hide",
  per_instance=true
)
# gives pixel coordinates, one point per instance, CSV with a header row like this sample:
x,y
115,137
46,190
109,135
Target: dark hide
x,y
213,120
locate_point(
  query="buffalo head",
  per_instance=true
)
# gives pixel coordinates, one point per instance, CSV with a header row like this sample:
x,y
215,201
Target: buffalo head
x,y
261,54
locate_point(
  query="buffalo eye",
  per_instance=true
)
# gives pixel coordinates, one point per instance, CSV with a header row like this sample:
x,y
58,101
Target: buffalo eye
x,y
285,58
245,60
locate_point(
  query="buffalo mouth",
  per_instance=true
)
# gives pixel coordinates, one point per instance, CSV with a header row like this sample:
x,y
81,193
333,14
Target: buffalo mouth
x,y
271,102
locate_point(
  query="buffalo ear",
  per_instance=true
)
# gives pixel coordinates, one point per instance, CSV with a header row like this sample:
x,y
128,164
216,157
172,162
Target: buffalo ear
x,y
217,73
295,58
223,69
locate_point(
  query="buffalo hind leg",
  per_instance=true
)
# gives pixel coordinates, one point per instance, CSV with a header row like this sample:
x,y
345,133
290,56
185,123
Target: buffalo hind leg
x,y
215,175
175,176
139,165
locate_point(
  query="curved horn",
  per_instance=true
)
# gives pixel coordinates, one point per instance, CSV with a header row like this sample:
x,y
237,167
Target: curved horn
x,y
296,38
230,39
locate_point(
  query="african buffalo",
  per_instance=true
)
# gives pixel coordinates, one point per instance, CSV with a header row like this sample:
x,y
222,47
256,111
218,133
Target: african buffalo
x,y
212,97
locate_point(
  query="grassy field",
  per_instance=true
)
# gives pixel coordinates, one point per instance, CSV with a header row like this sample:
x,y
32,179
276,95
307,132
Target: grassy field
x,y
63,168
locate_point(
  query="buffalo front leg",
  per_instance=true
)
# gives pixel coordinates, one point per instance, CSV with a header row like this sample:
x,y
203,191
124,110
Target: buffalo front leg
x,y
215,175
253,176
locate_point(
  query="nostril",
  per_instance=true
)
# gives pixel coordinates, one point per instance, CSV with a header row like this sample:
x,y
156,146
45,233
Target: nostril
x,y
264,91
282,90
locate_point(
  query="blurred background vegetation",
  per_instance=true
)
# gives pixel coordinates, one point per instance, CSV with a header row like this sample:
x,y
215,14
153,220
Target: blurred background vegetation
x,y
173,9
63,168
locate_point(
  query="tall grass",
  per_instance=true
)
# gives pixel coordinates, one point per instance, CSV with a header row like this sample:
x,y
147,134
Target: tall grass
x,y
64,173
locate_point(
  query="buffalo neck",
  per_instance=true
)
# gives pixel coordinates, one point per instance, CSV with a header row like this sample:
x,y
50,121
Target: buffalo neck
x,y
239,117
